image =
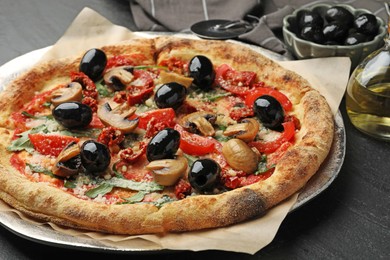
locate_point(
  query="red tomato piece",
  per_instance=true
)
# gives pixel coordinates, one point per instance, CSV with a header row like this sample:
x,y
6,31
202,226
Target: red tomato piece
x,y
166,115
195,144
141,87
269,147
123,60
48,144
260,91
96,122
236,82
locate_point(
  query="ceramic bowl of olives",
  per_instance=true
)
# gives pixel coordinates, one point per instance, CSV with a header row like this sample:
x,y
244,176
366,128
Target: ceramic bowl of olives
x,y
324,30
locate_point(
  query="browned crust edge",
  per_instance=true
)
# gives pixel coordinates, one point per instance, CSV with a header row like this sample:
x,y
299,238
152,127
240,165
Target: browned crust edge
x,y
198,212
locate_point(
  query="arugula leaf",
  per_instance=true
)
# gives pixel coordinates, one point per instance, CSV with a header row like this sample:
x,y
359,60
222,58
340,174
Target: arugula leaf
x,y
23,142
138,197
103,90
143,67
191,159
40,169
262,166
69,184
133,185
81,133
161,201
115,171
102,189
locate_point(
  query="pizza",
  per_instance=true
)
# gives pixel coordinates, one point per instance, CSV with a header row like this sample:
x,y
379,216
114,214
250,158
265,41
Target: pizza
x,y
159,135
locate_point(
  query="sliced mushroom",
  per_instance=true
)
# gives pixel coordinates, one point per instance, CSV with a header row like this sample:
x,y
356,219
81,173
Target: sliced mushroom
x,y
117,117
199,122
68,161
166,77
246,130
166,172
240,156
118,78
72,92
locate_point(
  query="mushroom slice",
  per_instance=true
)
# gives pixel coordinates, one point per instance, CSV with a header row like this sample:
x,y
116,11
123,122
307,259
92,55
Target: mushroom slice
x,y
119,77
240,156
166,172
166,77
200,122
246,130
117,117
68,161
72,92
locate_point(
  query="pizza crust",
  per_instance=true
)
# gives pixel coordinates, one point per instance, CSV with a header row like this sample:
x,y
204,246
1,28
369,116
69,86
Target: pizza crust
x,y
294,169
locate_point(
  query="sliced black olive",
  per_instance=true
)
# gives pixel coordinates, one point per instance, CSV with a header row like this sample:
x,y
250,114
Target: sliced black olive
x,y
340,14
355,38
170,95
366,24
335,31
270,112
71,166
204,174
313,34
95,156
93,63
202,70
163,145
72,114
309,18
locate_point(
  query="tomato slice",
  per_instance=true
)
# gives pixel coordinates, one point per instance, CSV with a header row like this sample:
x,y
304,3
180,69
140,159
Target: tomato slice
x,y
96,122
236,82
166,115
49,144
140,88
194,144
269,147
123,60
260,91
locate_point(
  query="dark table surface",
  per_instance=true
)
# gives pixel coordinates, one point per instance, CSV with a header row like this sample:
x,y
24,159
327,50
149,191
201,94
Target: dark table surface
x,y
349,220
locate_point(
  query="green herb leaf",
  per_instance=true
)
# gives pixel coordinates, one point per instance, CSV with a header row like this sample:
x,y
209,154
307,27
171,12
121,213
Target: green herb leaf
x,y
115,171
262,166
138,197
40,169
46,104
191,159
69,184
133,185
163,200
102,189
103,90
144,67
23,142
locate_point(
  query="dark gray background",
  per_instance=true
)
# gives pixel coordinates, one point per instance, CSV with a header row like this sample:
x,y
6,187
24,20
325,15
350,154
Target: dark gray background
x,y
349,220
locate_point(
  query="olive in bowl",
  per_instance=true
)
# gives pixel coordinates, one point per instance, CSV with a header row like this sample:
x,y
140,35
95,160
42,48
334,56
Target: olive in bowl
x,y
344,32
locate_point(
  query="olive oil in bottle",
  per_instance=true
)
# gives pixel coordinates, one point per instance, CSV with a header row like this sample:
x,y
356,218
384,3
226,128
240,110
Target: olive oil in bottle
x,y
368,94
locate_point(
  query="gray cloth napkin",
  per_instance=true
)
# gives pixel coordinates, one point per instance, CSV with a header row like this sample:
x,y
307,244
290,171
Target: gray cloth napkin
x,y
179,15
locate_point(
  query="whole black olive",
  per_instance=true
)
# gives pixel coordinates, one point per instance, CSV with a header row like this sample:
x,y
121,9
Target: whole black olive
x,y
340,14
355,38
202,70
366,24
163,145
270,112
313,34
335,31
170,95
93,63
204,174
309,18
72,114
95,156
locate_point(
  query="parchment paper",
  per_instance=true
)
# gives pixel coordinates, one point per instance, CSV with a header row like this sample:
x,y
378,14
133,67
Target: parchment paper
x,y
328,75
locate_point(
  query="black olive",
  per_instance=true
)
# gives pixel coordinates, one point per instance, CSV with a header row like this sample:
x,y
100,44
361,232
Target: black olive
x,y
163,145
204,174
335,31
309,18
355,38
202,70
366,24
270,112
70,166
95,156
72,114
340,14
313,34
170,95
93,63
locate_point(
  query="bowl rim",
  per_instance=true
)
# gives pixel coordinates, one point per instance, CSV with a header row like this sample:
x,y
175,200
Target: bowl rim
x,y
377,38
